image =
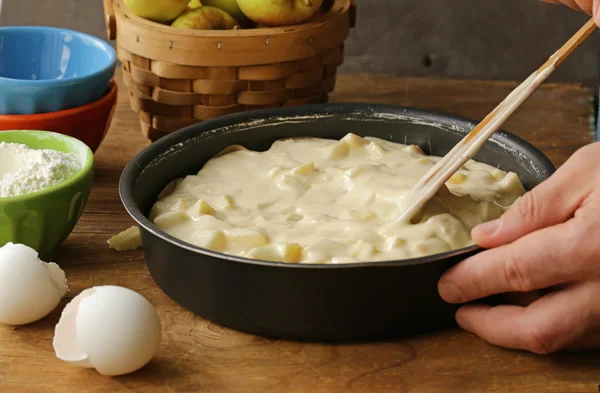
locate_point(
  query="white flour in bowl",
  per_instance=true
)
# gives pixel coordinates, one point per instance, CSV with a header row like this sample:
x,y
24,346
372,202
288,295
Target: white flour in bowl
x,y
24,170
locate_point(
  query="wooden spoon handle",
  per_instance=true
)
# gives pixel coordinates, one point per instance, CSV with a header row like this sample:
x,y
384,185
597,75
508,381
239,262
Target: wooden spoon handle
x,y
572,44
464,150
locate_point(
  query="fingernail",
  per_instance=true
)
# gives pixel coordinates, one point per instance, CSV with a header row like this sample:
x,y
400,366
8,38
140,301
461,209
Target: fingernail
x,y
489,228
463,324
450,292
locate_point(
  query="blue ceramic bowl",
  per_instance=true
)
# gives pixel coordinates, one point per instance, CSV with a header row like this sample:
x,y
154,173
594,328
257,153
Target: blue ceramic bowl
x,y
47,69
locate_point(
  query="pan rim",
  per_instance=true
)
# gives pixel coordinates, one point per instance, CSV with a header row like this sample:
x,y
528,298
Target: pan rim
x,y
134,168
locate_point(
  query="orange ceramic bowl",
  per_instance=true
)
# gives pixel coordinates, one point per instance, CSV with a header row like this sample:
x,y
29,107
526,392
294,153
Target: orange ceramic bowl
x,y
88,123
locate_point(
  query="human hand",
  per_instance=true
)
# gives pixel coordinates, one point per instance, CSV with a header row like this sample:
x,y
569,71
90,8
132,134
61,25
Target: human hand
x,y
549,240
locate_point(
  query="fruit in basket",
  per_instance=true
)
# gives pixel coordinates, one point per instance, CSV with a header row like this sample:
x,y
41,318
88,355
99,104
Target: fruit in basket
x,y
205,18
229,6
194,4
272,13
162,11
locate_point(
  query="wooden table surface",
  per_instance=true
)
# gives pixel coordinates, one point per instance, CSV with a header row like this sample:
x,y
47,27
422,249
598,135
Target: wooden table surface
x,y
200,356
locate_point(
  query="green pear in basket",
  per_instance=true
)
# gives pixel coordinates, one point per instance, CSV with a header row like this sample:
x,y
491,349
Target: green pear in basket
x,y
193,4
163,11
232,8
271,13
205,18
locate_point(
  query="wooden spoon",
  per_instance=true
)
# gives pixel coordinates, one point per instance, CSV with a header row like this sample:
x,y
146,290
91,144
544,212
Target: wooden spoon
x,y
439,174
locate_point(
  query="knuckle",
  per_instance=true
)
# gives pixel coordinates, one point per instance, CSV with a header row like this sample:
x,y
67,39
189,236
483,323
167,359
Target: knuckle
x,y
583,247
585,155
513,272
528,207
477,284
539,340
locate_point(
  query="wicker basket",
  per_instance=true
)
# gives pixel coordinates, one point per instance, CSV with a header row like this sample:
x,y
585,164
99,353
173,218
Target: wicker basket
x,y
179,77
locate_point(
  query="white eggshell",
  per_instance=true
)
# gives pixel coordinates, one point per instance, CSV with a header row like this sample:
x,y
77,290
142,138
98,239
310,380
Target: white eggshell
x,y
30,289
112,329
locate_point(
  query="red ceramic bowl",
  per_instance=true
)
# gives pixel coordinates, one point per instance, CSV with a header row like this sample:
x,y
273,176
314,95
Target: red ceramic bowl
x,y
88,123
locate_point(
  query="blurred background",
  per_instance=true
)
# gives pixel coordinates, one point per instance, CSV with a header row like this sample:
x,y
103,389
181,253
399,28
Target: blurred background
x,y
468,39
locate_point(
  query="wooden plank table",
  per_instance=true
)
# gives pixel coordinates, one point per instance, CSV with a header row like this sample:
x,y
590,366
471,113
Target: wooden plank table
x,y
200,356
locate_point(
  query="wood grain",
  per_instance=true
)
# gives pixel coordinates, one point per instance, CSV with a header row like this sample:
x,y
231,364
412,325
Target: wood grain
x,y
199,356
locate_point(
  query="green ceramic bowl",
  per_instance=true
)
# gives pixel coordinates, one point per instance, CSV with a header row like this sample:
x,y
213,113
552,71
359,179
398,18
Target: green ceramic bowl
x,y
43,220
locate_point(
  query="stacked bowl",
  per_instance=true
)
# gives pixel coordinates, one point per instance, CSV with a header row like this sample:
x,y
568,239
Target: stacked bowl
x,y
57,80
56,92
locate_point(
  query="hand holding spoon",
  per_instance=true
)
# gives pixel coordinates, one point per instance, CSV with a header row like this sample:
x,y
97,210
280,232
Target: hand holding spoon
x,y
464,150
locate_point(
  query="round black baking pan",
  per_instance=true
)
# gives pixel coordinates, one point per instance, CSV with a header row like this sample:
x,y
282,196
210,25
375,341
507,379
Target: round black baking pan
x,y
351,302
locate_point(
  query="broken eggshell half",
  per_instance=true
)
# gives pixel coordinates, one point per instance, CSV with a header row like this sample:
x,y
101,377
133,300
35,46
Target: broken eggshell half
x,y
30,288
110,328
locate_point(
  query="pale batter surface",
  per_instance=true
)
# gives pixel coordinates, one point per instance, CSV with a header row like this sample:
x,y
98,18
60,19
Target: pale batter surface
x,y
329,201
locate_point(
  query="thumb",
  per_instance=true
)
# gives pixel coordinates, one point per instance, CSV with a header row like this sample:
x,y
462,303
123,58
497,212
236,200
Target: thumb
x,y
552,202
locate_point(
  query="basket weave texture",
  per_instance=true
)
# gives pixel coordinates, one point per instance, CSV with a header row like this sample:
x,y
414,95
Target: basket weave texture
x,y
177,77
